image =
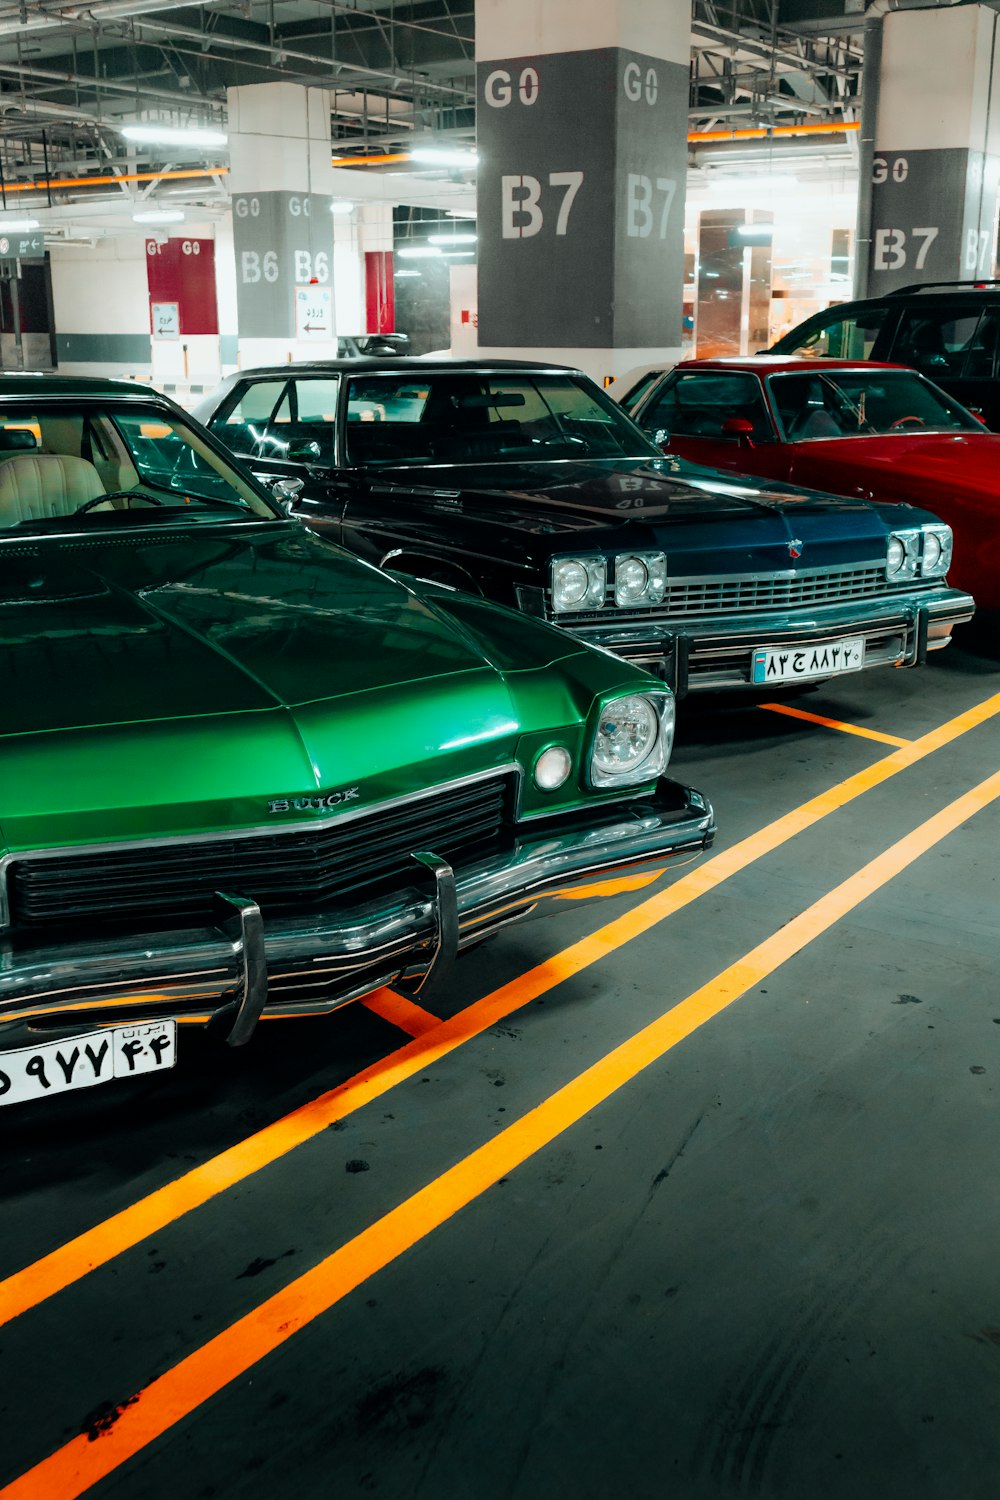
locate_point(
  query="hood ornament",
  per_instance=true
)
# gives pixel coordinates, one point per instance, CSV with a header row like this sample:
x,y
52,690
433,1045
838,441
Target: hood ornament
x,y
795,547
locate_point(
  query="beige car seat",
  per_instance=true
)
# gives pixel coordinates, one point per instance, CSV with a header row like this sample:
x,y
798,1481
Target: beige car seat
x,y
36,486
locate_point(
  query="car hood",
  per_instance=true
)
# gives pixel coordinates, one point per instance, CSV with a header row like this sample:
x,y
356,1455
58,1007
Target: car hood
x,y
967,460
576,494
175,683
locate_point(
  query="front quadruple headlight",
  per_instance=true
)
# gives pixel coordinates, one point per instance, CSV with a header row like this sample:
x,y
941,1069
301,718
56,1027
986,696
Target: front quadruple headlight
x,y
923,552
936,558
640,578
633,739
578,583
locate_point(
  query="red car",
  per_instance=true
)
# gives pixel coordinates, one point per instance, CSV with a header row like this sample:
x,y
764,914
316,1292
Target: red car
x,y
880,432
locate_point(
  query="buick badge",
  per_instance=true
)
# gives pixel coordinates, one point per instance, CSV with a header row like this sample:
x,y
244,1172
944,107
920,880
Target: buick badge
x,y
315,804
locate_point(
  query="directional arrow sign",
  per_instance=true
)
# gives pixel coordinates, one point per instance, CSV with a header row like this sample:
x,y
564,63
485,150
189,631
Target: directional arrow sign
x,y
21,246
313,312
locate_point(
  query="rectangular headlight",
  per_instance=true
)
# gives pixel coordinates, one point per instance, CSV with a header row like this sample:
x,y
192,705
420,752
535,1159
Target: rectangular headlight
x,y
578,583
935,559
633,739
902,558
640,578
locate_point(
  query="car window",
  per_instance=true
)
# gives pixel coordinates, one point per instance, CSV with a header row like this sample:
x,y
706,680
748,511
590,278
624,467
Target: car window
x,y
936,341
110,463
477,417
635,392
697,403
837,335
856,403
241,425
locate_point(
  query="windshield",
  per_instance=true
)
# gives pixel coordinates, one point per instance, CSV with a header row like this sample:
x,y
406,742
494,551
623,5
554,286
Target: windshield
x,y
471,417
850,403
106,463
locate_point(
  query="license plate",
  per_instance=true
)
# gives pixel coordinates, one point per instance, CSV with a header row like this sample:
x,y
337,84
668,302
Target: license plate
x,y
81,1062
800,663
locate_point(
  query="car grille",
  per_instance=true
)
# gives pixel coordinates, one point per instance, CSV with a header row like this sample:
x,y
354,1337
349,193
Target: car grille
x,y
284,871
739,593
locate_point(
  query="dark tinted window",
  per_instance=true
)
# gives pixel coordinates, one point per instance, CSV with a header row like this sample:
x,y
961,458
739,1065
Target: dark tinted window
x,y
837,335
696,404
857,403
937,341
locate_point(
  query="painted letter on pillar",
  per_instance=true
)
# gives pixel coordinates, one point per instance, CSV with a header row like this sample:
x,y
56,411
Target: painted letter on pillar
x,y
580,241
281,241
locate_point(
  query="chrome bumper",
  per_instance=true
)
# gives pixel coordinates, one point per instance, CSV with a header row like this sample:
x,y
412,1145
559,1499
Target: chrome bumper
x,y
241,968
715,651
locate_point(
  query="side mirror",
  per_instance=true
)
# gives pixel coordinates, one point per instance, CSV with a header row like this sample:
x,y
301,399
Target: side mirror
x,y
740,428
661,437
285,492
303,453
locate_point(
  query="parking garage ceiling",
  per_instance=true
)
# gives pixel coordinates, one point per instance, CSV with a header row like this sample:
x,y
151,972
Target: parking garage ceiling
x,y
72,75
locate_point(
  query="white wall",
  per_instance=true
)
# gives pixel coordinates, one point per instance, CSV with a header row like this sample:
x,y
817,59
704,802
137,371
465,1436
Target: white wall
x,y
102,290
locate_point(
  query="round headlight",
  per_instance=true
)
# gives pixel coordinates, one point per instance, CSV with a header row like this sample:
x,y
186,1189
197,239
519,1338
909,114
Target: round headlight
x,y
932,551
631,577
626,735
895,557
552,768
570,582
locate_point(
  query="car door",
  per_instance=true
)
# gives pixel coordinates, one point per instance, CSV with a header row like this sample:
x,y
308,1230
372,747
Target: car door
x,y
700,411
285,428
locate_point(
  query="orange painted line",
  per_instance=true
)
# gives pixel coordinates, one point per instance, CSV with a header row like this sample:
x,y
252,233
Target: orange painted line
x,y
858,729
96,1247
411,1018
621,886
82,1462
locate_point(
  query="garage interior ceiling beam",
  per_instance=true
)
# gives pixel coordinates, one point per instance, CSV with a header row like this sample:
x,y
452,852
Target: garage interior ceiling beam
x,y
398,70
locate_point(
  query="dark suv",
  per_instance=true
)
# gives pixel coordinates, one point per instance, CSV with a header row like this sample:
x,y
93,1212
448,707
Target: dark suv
x,y
950,331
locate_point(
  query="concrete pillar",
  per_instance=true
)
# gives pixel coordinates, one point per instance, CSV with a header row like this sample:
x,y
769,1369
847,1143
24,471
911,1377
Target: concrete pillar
x,y
936,160
281,182
582,110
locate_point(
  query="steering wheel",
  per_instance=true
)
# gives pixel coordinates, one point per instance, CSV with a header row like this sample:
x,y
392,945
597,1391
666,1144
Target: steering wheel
x,y
115,495
899,422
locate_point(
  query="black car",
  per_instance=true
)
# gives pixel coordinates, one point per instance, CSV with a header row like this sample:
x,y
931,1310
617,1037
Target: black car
x,y
527,484
949,331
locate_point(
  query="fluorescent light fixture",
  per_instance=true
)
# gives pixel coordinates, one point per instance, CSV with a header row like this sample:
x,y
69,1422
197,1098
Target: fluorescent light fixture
x,y
17,226
174,135
419,252
435,156
401,274
341,206
159,216
447,240
755,234
458,254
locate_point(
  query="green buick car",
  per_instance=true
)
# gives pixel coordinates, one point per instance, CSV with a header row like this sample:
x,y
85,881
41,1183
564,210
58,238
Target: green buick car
x,y
243,773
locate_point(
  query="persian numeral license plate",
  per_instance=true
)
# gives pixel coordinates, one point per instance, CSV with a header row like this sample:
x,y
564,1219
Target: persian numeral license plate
x,y
800,663
80,1062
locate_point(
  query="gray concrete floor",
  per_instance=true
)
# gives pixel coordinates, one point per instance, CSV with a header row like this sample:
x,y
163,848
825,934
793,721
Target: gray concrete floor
x,y
764,1266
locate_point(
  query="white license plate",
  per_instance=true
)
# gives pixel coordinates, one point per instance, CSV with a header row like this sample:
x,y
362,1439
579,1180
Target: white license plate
x,y
800,663
81,1062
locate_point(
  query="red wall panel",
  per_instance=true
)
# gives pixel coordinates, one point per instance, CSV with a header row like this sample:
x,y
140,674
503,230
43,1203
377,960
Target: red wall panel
x,y
183,271
380,302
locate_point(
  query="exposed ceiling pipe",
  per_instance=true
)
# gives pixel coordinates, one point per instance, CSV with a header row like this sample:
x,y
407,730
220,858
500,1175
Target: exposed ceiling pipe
x,y
104,85
100,10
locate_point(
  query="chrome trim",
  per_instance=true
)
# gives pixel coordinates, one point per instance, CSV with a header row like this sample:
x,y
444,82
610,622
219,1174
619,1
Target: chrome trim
x,y
186,973
445,921
257,830
242,918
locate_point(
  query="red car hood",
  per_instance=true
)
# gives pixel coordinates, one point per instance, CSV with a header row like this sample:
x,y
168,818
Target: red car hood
x,y
967,460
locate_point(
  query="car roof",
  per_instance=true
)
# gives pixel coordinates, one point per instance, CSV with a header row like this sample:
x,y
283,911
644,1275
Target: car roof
x,y
768,364
43,385
408,364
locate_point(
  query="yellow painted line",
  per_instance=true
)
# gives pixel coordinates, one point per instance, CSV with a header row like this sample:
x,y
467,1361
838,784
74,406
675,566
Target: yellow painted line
x,y
401,1012
858,729
95,1247
82,1462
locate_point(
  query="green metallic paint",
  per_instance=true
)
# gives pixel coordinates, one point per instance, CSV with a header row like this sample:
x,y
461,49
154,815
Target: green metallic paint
x,y
173,686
